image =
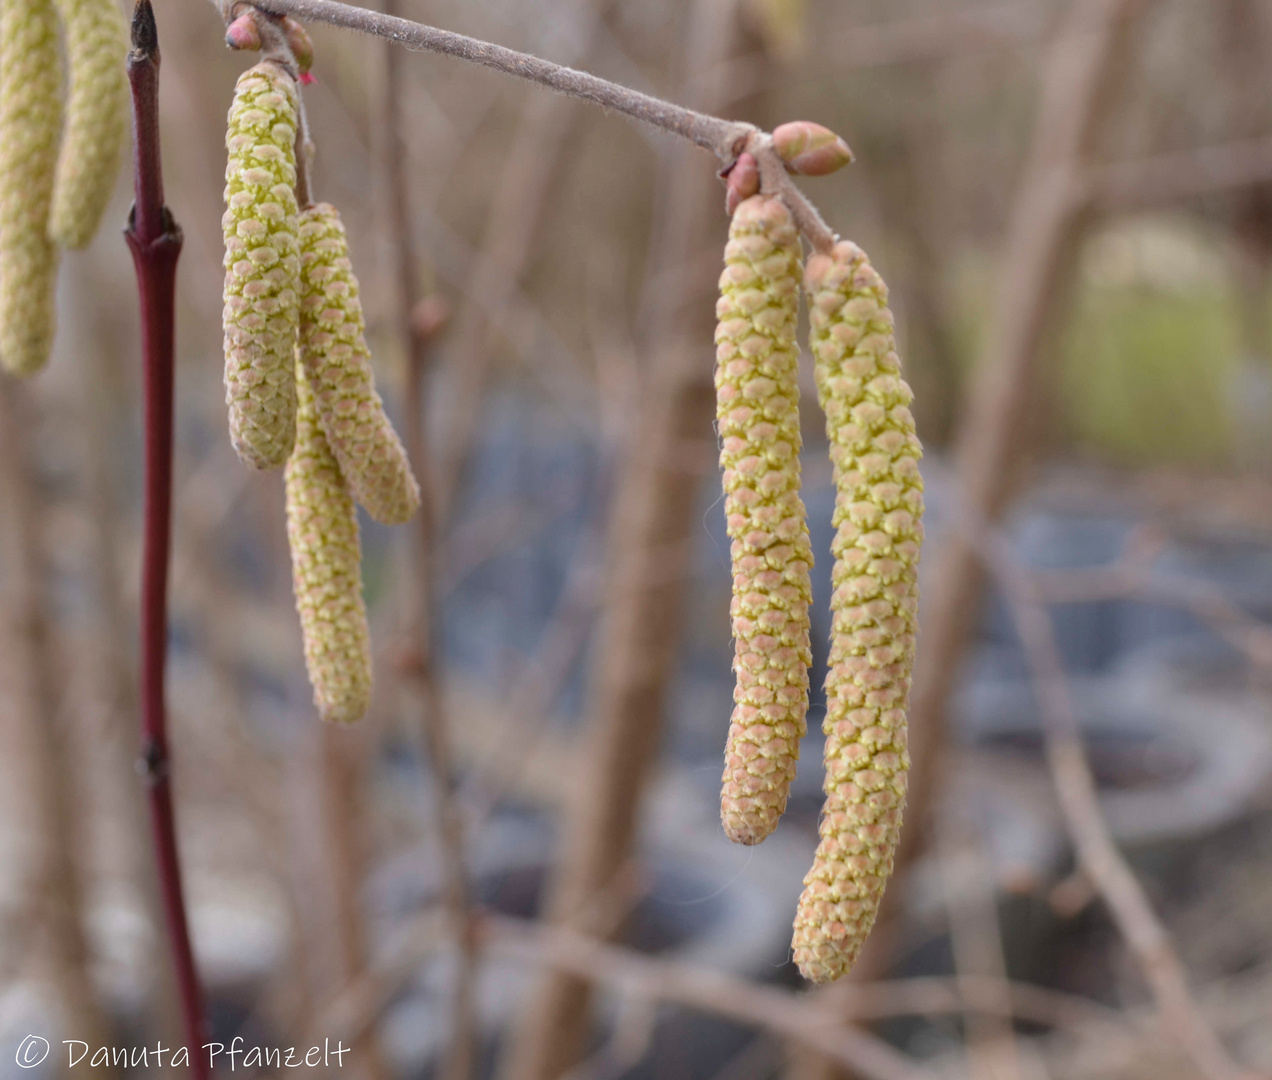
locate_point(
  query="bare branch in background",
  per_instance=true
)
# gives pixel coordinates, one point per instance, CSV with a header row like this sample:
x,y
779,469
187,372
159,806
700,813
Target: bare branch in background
x,y
771,1009
976,939
512,224
1171,178
1149,941
423,627
55,889
1081,76
652,512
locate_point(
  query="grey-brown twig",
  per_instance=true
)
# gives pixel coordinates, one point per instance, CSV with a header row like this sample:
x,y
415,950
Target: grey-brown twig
x,y
425,609
655,979
725,139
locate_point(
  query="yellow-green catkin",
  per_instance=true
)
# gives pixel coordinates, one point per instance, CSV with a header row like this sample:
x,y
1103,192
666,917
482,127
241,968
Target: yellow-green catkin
x,y
262,266
334,351
30,126
878,518
757,409
96,118
322,529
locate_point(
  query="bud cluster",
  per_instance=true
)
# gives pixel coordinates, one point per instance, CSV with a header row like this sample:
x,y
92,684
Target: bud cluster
x,y
298,378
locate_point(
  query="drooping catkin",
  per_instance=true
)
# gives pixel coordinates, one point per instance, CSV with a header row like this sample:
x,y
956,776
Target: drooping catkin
x,y
30,124
322,529
96,118
878,517
334,351
262,266
757,408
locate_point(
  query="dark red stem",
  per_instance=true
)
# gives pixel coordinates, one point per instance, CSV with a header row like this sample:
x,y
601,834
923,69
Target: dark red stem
x,y
155,242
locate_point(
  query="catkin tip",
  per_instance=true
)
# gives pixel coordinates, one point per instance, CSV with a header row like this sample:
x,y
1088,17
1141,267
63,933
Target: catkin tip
x,y
322,532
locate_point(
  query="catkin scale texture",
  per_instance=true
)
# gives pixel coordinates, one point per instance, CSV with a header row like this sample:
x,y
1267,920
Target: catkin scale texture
x,y
757,412
30,124
322,530
96,118
878,518
334,352
262,266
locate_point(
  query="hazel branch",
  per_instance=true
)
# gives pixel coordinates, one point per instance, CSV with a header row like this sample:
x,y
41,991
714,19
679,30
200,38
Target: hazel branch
x,y
723,138
798,147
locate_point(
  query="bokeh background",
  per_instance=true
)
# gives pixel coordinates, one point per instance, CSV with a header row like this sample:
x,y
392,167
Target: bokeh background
x,y
1072,203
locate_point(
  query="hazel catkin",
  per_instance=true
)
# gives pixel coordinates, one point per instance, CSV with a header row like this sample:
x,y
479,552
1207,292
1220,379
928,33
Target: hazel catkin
x,y
322,530
30,123
96,118
262,266
334,352
878,518
757,409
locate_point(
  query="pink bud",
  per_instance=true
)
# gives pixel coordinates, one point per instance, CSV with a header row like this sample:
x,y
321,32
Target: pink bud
x,y
741,182
301,44
810,149
243,32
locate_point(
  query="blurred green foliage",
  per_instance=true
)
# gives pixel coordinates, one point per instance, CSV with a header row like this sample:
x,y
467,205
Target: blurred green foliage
x,y
1146,376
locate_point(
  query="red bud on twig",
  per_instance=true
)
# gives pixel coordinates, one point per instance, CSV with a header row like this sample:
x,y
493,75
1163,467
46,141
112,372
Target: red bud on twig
x,y
301,44
741,182
810,149
243,33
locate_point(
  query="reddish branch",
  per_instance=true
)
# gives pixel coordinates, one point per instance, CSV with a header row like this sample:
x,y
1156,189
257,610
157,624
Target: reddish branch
x,y
155,242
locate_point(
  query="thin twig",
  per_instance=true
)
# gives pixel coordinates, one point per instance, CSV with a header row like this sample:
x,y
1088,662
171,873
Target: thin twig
x,y
51,908
1123,580
1079,85
1166,179
781,1011
651,513
362,1001
155,242
512,223
725,139
423,625
1148,939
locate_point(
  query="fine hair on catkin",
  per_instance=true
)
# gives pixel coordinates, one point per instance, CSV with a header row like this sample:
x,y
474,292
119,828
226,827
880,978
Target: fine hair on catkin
x,y
337,362
326,552
262,266
878,519
757,410
30,124
96,118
